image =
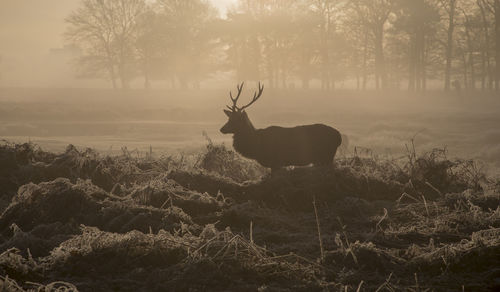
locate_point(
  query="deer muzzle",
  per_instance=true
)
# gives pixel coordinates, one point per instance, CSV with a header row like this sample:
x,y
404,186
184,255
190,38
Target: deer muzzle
x,y
225,129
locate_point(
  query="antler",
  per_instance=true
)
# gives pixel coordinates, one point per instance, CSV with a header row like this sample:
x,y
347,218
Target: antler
x,y
255,97
235,100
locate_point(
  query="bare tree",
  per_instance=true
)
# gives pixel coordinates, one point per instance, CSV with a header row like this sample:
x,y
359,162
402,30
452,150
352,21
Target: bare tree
x,y
288,40
105,30
497,44
188,39
467,25
324,11
360,41
449,6
149,46
375,14
305,45
418,20
262,37
485,54
243,46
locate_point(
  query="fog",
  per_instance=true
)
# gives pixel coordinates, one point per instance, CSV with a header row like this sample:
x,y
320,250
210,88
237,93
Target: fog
x,y
33,52
383,44
382,72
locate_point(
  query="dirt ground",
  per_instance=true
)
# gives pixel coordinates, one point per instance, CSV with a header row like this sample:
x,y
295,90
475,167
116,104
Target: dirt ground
x,y
213,221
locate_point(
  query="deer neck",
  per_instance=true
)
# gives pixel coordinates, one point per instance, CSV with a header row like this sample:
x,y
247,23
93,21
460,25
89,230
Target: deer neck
x,y
245,141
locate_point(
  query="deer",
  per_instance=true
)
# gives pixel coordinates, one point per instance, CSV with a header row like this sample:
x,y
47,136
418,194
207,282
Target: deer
x,y
278,147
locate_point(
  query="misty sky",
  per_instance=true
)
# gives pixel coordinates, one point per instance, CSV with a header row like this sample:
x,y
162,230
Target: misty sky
x,y
32,27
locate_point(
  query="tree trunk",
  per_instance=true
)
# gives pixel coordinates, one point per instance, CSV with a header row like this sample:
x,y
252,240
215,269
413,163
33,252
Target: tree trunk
x,y
380,74
497,45
483,71
423,75
305,72
324,51
112,75
365,59
271,76
325,76
486,47
411,65
449,45
418,64
378,41
123,77
466,80
113,78
111,66
419,58
283,78
147,83
470,48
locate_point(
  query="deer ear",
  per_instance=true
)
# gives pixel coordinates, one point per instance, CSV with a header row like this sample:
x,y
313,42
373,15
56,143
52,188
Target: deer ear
x,y
228,113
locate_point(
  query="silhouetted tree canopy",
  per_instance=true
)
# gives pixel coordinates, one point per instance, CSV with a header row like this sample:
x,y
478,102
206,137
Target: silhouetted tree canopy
x,y
381,44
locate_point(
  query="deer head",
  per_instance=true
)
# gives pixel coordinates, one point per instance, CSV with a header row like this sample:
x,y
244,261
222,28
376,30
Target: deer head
x,y
238,119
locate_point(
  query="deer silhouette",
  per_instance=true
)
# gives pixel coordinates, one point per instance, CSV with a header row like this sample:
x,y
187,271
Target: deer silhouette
x,y
276,147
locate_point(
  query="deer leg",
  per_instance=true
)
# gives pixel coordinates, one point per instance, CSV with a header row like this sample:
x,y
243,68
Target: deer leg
x,y
325,161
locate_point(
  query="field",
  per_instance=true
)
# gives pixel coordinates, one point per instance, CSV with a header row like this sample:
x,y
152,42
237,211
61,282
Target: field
x,y
173,121
411,204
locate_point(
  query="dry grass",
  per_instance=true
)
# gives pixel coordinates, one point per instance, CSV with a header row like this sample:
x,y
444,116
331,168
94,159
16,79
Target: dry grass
x,y
214,221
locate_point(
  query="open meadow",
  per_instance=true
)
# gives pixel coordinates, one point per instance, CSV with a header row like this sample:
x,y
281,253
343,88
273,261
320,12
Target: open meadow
x,y
173,121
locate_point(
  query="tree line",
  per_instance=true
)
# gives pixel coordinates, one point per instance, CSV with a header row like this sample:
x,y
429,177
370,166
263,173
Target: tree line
x,y
383,44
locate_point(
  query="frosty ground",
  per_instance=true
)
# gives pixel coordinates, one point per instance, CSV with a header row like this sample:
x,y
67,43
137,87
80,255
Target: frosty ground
x,y
213,221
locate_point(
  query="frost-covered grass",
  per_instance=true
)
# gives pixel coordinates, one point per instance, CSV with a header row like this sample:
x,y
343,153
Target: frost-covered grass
x,y
215,221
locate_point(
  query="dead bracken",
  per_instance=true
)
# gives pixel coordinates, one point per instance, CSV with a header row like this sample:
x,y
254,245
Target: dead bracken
x,y
218,222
